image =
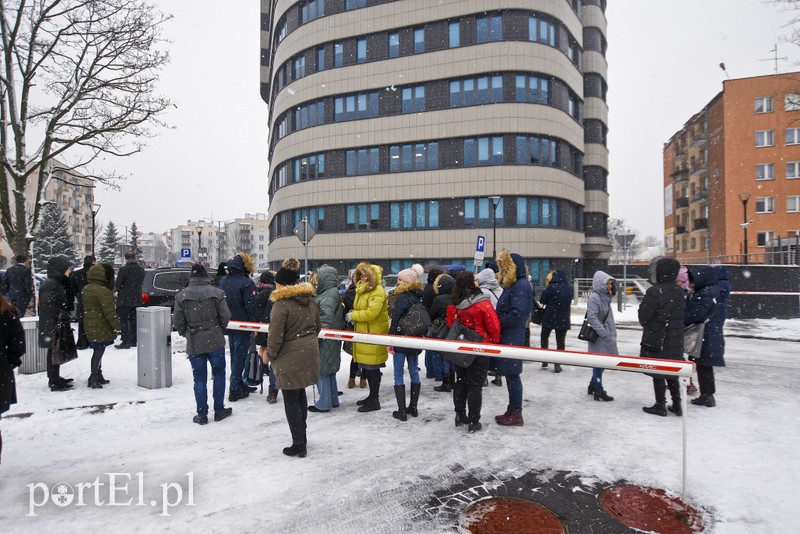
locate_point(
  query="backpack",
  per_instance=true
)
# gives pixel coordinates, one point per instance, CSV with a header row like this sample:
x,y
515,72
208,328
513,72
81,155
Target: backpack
x,y
254,368
415,322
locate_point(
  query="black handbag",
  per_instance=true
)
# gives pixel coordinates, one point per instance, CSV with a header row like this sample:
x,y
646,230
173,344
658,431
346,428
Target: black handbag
x,y
415,321
437,330
459,332
588,333
693,339
64,349
538,314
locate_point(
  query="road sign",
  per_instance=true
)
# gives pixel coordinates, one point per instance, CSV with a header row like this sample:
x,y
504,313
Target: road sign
x,y
186,253
479,246
304,231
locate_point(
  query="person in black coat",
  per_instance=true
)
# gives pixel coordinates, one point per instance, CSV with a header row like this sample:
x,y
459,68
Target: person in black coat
x,y
129,297
704,306
661,317
54,307
240,294
79,280
428,294
222,272
442,367
12,347
18,284
266,285
557,302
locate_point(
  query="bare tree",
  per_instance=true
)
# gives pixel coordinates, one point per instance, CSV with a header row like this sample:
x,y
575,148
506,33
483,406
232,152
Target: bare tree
x,y
79,76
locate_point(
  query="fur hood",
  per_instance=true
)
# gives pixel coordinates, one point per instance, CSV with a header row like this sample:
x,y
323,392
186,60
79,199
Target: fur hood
x,y
404,287
444,284
303,289
369,274
511,268
241,262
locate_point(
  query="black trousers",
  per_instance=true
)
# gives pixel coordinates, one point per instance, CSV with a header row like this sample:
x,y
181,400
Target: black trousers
x,y
468,388
660,386
53,371
295,404
561,337
705,379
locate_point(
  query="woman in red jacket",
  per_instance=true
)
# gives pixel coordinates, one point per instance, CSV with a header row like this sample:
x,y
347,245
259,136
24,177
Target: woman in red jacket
x,y
474,310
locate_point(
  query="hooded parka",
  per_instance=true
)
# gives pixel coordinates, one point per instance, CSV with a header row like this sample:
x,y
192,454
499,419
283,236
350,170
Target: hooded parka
x,y
557,299
704,305
100,319
201,314
513,308
292,344
331,313
52,299
600,316
661,312
370,313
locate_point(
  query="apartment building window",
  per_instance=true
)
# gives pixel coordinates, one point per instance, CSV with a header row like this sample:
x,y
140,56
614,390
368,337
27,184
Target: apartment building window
x,y
360,106
793,204
320,58
765,205
533,89
361,161
792,169
411,215
309,167
536,150
766,171
763,104
791,102
489,28
476,91
413,157
455,34
362,216
299,66
419,40
355,4
309,115
316,217
541,30
361,50
764,138
483,151
537,211
394,44
311,9
338,54
793,136
413,99
478,212
764,238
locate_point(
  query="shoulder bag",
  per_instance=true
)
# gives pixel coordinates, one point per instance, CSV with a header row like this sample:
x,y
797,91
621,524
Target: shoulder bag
x,y
693,339
588,333
415,321
64,349
538,313
459,332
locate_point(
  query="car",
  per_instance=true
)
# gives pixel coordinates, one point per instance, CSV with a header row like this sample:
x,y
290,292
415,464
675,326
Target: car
x,y
160,286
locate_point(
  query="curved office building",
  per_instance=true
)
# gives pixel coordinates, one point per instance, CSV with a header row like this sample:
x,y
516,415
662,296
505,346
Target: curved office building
x,y
396,126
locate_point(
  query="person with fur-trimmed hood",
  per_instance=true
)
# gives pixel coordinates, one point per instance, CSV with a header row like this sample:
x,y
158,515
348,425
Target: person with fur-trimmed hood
x,y
292,348
557,300
514,311
370,315
240,295
409,292
442,367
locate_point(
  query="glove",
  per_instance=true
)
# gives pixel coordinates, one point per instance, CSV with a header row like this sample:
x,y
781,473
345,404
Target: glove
x,y
349,317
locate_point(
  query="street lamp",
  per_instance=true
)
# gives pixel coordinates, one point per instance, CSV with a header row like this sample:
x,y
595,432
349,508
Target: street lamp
x,y
199,230
95,207
495,202
744,197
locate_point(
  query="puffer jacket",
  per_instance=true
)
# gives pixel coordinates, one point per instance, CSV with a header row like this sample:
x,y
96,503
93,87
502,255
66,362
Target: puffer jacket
x,y
200,315
704,305
53,299
100,319
331,314
292,345
557,299
601,317
408,294
12,347
429,293
489,285
443,286
370,313
661,311
240,292
513,308
476,312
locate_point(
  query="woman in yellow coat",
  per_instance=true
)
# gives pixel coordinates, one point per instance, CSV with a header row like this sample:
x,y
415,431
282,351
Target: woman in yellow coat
x,y
370,315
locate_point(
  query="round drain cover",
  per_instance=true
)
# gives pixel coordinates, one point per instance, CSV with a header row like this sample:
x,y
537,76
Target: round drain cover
x,y
500,515
650,510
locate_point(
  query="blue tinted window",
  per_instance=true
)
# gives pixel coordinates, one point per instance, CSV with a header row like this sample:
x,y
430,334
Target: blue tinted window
x,y
455,34
419,40
338,54
408,214
394,159
362,50
433,214
433,155
394,44
455,94
469,152
394,215
522,211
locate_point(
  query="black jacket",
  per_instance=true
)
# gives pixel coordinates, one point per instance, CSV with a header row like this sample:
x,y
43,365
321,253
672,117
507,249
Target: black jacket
x,y
443,286
557,299
240,293
263,309
12,347
129,284
18,284
704,304
53,299
661,314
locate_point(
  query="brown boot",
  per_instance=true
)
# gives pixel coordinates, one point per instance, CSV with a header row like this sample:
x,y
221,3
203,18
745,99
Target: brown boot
x,y
514,418
363,383
351,383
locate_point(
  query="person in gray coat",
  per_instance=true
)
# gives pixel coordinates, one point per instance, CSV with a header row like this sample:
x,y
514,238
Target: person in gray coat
x,y
600,316
201,315
331,314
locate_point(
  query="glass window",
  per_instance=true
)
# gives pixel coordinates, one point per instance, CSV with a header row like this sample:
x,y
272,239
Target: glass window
x,y
469,211
321,58
351,217
522,150
521,88
394,158
406,100
338,54
374,214
497,149
419,40
373,104
433,213
496,28
433,155
765,204
420,222
394,215
455,95
483,90
791,102
497,88
483,210
792,171
419,157
419,98
362,217
469,92
373,161
362,105
469,152
792,136
793,204
394,44
522,211
362,50
483,150
763,104
338,109
350,163
407,158
455,34
482,29
408,214
764,138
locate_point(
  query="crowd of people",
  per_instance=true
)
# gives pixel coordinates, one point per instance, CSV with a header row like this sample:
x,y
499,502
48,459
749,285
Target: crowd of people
x,y
496,305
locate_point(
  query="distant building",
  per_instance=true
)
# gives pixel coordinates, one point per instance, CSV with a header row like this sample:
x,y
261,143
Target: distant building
x,y
219,240
739,154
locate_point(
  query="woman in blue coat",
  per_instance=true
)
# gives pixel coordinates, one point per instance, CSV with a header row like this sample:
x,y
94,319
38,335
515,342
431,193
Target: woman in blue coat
x,y
704,305
557,300
514,311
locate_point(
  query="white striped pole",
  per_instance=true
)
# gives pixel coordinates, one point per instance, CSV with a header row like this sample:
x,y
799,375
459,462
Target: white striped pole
x,y
635,364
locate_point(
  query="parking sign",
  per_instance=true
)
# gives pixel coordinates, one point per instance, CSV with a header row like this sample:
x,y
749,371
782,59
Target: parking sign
x,y
186,253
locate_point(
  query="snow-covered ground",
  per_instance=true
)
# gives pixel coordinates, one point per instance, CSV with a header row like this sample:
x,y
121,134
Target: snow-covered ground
x,y
369,472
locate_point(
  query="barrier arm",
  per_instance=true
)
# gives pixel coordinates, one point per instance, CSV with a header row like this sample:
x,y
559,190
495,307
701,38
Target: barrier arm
x,y
635,364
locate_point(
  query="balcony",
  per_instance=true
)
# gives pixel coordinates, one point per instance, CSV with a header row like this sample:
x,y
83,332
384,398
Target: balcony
x,y
697,166
700,224
681,202
698,138
680,230
700,195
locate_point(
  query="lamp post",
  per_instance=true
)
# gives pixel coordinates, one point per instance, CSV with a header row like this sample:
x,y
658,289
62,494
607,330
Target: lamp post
x,y
495,202
199,231
744,197
95,207
624,241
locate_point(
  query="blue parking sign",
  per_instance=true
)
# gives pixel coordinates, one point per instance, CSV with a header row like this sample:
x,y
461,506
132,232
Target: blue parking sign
x,y
480,244
186,253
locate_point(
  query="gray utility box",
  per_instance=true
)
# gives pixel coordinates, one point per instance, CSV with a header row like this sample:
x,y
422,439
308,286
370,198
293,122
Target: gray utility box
x,y
35,358
154,347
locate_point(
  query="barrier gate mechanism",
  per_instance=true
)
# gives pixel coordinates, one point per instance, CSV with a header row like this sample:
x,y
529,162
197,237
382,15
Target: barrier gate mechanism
x,y
668,368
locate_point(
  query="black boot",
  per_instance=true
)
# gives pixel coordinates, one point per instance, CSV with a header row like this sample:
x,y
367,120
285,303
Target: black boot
x,y
373,402
676,409
400,395
447,385
590,390
412,403
297,449
602,395
94,382
295,416
558,368
658,408
705,400
101,378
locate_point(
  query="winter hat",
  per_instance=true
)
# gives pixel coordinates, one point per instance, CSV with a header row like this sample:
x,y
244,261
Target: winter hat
x,y
407,276
267,278
683,277
199,271
287,274
419,269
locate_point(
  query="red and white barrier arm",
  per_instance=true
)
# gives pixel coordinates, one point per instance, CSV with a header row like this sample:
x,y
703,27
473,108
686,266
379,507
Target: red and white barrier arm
x,y
582,359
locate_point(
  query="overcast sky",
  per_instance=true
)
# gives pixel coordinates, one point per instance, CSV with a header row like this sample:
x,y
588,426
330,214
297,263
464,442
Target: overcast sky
x,y
663,67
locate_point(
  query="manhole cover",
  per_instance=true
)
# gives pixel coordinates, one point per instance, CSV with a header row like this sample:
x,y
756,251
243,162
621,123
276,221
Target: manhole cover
x,y
502,515
650,509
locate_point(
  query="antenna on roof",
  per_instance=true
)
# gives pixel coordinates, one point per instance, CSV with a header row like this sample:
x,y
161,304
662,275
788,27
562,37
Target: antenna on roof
x,y
775,57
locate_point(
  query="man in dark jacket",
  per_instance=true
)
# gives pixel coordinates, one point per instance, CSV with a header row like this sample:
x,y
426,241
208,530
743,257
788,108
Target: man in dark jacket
x,y
12,347
200,316
129,297
704,306
240,294
557,300
18,284
661,317
266,285
79,280
53,307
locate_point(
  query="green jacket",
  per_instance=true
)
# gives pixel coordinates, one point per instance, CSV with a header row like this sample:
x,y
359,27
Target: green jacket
x,y
331,315
370,314
100,320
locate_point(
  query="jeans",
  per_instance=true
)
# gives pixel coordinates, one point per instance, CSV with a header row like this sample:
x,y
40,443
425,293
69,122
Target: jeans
x,y
441,366
597,379
561,336
413,367
514,385
328,392
429,372
127,319
200,372
271,388
239,346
